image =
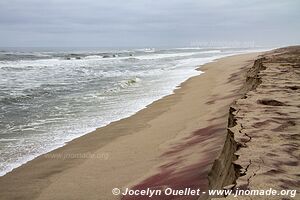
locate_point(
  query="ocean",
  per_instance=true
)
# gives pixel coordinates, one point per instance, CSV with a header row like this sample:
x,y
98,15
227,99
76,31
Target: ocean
x,y
48,98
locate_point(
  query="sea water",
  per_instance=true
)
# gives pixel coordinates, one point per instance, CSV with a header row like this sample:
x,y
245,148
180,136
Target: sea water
x,y
50,97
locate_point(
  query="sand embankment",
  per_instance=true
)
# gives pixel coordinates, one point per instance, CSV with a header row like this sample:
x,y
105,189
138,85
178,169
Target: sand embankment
x,y
174,141
262,146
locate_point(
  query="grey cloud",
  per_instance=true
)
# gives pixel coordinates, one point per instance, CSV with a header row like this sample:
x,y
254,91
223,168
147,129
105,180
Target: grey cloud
x,y
146,22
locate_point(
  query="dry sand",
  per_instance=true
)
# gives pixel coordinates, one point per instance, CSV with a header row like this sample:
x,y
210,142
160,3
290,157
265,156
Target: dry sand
x,y
265,124
173,142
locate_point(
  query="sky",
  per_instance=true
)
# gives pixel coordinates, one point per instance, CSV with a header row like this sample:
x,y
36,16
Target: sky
x,y
148,23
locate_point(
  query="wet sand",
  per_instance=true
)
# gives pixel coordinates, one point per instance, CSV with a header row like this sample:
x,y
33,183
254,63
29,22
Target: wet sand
x,y
173,142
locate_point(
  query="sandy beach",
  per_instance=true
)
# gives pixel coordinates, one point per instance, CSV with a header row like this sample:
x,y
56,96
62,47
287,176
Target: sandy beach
x,y
174,142
149,100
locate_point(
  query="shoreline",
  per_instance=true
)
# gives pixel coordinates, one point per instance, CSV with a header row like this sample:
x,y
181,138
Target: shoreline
x,y
29,158
90,129
103,145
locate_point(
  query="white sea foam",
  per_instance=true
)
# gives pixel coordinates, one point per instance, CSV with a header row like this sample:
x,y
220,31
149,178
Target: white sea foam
x,y
58,100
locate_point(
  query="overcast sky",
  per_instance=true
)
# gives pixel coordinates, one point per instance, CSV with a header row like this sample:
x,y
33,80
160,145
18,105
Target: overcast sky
x,y
132,23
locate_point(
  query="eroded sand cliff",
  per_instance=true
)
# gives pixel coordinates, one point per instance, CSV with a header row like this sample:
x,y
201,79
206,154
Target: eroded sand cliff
x,y
262,145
